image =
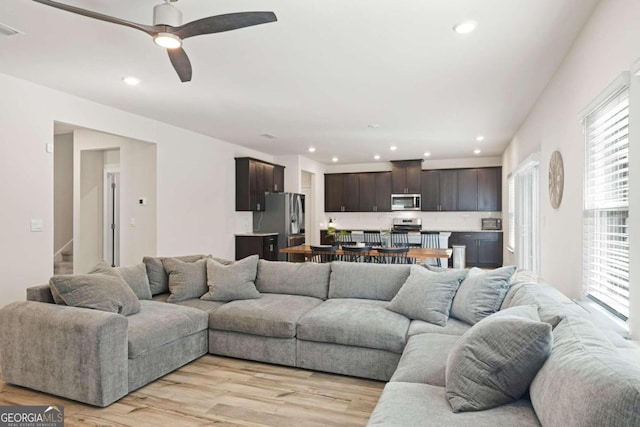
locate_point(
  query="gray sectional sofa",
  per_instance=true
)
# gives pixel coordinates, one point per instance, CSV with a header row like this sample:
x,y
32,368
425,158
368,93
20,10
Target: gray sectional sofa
x,y
326,317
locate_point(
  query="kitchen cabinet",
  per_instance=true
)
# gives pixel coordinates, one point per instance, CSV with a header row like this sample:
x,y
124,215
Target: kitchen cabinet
x,y
406,177
254,178
467,190
439,190
490,189
342,192
375,192
483,249
263,245
474,189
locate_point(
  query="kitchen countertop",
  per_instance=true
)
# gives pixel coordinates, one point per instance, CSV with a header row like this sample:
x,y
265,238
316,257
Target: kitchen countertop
x,y
448,230
256,234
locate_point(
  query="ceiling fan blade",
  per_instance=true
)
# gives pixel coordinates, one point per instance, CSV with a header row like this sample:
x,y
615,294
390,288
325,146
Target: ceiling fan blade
x,y
220,23
181,63
151,30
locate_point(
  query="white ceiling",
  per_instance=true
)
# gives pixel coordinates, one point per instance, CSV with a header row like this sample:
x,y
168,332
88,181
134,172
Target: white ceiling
x,y
319,76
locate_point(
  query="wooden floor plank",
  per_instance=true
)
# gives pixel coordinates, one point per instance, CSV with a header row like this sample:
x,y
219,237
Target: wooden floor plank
x,y
218,391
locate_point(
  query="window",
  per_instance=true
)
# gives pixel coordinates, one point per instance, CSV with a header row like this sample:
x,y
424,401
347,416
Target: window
x,y
527,214
606,202
512,212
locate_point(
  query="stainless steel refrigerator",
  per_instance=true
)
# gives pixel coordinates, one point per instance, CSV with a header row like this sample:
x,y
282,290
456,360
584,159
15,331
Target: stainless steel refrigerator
x,y
283,214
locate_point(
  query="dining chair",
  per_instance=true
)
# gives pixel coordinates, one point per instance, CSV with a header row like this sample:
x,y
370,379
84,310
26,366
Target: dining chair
x,y
400,239
431,239
323,254
344,237
356,253
373,238
393,256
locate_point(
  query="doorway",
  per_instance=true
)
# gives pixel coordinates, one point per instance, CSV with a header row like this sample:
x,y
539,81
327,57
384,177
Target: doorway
x,y
111,250
307,181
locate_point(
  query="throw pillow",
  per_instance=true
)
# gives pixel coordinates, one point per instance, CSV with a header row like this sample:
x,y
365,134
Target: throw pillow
x,y
158,277
187,280
427,295
494,362
232,282
481,294
136,278
103,288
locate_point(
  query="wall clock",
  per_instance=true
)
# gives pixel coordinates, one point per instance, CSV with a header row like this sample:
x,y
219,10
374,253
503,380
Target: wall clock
x,y
556,179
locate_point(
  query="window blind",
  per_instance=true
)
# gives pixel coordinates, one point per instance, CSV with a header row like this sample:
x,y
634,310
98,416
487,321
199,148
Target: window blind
x,y
606,204
512,212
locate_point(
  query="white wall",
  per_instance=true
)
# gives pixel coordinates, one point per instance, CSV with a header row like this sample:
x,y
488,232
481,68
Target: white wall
x,y
63,189
195,180
608,44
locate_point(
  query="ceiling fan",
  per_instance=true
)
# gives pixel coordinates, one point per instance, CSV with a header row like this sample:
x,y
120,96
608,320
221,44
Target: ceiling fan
x,y
169,32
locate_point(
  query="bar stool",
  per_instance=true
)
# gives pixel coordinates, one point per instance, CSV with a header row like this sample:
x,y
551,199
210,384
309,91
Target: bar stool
x,y
344,237
373,238
400,239
431,239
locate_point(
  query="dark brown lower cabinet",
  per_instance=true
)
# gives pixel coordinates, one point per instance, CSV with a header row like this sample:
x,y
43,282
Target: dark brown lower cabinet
x,y
484,249
265,246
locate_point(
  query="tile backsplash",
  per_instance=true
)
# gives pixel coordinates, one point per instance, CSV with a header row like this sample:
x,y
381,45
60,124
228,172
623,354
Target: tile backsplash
x,y
431,221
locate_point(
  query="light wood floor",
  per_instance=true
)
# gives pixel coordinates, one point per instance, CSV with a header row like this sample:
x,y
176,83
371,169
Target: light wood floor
x,y
225,392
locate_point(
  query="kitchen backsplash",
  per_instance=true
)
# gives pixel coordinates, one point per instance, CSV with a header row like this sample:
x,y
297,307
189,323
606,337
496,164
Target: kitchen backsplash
x,y
431,221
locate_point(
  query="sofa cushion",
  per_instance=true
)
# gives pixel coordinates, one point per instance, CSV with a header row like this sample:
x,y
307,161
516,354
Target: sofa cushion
x,y
418,405
356,322
366,280
481,294
427,295
424,359
232,282
158,277
102,289
553,305
273,315
494,362
294,278
586,381
203,305
158,323
452,327
186,279
136,278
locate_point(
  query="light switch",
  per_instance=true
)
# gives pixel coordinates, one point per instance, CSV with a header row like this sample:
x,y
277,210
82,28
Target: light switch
x,y
37,225
49,148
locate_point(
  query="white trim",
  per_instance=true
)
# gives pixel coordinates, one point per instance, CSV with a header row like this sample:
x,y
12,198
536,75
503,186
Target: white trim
x,y
620,83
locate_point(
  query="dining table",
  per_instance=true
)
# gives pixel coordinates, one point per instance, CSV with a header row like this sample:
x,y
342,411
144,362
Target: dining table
x,y
414,252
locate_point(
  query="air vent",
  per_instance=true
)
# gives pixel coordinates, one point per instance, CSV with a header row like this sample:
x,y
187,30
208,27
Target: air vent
x,y
8,31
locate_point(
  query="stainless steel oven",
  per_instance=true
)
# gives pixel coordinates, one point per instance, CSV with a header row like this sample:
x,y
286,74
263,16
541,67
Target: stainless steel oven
x,y
405,202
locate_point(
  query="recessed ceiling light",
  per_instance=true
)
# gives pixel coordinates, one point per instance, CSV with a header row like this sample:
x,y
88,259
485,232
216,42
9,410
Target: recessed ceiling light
x,y
465,27
393,148
131,81
335,159
427,154
312,149
377,157
479,138
374,126
477,151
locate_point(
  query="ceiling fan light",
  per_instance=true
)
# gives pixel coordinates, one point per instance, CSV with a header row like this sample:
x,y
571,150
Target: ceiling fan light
x,y
167,40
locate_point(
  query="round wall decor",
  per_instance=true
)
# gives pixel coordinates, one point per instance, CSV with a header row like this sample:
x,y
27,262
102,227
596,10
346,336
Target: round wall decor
x,y
556,179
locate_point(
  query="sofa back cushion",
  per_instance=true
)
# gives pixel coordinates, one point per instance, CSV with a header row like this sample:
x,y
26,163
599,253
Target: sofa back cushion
x,y
553,305
366,280
586,381
293,278
136,278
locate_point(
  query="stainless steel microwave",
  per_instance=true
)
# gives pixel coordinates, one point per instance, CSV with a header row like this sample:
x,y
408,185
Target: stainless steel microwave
x,y
491,224
405,202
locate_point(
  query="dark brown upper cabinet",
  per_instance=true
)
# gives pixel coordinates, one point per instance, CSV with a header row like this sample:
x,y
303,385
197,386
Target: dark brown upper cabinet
x,y
477,189
254,178
342,192
375,191
490,189
406,177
